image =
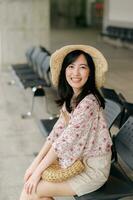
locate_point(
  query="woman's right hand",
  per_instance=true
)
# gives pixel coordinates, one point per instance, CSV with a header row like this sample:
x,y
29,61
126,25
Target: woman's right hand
x,y
28,173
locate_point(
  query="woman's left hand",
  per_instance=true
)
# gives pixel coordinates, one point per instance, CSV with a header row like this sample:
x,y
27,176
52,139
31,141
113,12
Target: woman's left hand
x,y
31,184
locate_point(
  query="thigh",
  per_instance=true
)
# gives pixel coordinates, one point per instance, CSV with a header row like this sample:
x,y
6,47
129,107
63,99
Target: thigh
x,y
49,189
25,196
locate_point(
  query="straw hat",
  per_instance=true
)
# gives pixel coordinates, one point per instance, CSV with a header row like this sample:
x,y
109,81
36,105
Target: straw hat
x,y
58,56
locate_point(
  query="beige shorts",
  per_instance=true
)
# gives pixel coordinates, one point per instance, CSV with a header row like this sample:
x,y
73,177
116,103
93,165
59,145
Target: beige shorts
x,y
93,177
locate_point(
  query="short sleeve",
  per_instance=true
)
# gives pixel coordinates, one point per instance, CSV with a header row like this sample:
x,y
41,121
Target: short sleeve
x,y
57,129
70,144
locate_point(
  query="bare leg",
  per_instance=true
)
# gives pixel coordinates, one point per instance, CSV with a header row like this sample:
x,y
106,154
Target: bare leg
x,y
48,190
24,196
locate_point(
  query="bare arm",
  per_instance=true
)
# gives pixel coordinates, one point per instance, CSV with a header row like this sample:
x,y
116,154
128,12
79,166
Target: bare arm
x,y
49,158
37,160
31,184
46,147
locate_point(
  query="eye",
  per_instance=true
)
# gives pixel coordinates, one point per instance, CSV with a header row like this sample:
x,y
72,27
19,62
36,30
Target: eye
x,y
83,67
70,67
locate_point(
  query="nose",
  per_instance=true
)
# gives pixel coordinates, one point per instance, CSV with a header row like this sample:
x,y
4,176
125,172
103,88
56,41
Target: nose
x,y
76,71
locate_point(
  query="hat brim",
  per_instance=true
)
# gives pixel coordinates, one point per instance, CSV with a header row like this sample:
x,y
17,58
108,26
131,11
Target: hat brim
x,y
100,62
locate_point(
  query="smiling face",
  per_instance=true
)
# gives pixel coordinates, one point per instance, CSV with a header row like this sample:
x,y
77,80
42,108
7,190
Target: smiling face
x,y
77,74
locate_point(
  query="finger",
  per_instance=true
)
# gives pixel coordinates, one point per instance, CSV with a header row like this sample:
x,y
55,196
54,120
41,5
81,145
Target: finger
x,y
34,189
26,187
26,177
30,188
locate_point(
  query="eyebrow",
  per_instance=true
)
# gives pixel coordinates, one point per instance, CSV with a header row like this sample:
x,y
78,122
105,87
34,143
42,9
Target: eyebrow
x,y
83,64
79,64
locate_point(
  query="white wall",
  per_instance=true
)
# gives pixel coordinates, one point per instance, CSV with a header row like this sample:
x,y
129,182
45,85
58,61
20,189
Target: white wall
x,y
121,11
118,13
23,23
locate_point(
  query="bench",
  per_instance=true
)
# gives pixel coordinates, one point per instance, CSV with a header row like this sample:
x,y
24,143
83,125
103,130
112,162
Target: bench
x,y
28,73
121,33
119,183
35,74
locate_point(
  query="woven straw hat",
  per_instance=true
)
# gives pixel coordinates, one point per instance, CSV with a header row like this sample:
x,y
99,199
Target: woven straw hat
x,y
58,56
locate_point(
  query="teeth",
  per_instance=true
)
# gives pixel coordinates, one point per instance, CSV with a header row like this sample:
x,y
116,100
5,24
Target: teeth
x,y
76,79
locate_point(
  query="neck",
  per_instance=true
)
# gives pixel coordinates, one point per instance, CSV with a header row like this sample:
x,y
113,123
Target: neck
x,y
76,93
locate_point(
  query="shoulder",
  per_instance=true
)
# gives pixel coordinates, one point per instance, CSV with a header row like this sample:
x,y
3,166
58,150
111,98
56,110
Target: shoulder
x,y
88,101
87,105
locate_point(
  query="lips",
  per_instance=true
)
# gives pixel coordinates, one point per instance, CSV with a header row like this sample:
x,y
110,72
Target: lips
x,y
76,79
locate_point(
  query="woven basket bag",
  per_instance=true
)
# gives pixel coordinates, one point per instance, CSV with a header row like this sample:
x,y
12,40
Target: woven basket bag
x,y
54,173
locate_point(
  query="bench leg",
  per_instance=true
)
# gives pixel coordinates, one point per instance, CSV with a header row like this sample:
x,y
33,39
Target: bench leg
x,y
37,91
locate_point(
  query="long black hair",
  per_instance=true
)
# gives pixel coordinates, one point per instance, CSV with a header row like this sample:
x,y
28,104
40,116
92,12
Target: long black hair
x,y
65,91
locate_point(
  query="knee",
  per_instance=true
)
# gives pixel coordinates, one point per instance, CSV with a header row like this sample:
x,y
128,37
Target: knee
x,y
25,196
33,197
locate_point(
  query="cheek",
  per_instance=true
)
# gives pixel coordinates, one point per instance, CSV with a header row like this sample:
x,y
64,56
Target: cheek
x,y
86,75
67,74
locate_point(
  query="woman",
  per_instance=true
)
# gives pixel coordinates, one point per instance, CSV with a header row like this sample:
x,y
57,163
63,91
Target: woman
x,y
81,132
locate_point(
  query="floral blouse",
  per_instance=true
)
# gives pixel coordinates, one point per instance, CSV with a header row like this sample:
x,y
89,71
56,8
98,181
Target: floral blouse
x,y
86,134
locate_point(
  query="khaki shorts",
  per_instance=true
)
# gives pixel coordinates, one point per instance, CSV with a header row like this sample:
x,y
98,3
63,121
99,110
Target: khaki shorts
x,y
93,177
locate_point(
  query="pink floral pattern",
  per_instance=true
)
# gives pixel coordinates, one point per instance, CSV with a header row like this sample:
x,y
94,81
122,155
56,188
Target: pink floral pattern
x,y
86,134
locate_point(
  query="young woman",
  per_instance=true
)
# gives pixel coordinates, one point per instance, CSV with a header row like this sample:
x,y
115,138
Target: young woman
x,y
81,132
